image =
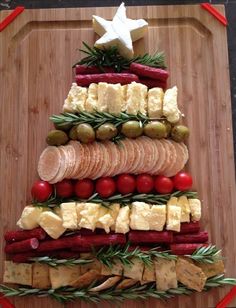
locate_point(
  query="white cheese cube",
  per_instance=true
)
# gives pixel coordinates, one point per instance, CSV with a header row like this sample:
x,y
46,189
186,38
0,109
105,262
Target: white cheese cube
x,y
195,209
89,216
173,215
30,217
101,212
52,224
155,101
136,98
102,104
170,105
114,211
69,215
106,221
124,97
157,218
113,96
122,221
79,208
92,99
76,98
140,216
185,209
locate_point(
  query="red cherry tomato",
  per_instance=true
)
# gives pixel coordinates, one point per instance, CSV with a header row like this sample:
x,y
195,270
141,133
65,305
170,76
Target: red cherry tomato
x,y
105,187
182,181
126,184
163,184
64,189
144,183
84,188
41,191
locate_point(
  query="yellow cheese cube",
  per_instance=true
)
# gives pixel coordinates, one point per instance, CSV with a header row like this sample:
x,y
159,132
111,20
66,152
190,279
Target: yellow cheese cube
x,y
155,101
92,99
173,215
113,96
122,221
102,104
114,211
79,208
30,217
136,98
52,224
185,209
170,105
69,215
89,216
76,98
140,216
157,218
195,209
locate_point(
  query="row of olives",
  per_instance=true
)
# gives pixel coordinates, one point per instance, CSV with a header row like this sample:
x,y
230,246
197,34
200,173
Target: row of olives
x,y
85,133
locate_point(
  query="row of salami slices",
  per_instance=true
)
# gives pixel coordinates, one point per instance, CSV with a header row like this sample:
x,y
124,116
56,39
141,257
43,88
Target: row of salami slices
x,y
142,155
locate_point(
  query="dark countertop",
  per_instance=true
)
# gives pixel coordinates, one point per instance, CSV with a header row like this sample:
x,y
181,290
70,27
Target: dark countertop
x,y
230,6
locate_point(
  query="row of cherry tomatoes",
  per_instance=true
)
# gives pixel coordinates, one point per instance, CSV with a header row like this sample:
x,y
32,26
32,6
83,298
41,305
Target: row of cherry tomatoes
x,y
108,186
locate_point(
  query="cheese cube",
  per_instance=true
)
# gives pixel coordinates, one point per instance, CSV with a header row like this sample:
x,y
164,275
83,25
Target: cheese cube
x,y
30,217
76,98
79,208
140,216
155,101
20,273
105,220
195,209
185,209
62,276
113,96
122,221
41,278
157,218
102,104
92,99
89,216
52,224
173,215
69,215
170,105
135,271
165,274
114,211
136,98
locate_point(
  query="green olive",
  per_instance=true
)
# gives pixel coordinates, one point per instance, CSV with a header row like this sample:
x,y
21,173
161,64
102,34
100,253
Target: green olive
x,y
85,133
168,127
155,129
56,137
63,126
132,129
73,133
179,133
106,131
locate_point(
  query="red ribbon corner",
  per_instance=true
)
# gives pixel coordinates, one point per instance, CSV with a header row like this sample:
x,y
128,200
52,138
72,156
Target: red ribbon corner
x,y
214,12
6,21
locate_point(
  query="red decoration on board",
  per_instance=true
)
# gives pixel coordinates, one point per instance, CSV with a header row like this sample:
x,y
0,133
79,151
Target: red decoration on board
x,y
18,10
215,13
5,303
227,299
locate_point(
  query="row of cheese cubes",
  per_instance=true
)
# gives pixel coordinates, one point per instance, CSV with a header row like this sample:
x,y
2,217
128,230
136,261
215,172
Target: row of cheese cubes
x,y
131,98
138,216
166,273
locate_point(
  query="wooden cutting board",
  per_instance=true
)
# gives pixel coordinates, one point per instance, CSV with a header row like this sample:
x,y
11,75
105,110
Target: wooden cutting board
x,y
37,51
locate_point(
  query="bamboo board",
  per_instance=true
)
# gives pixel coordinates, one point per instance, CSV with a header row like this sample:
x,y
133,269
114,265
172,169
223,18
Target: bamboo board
x,y
36,54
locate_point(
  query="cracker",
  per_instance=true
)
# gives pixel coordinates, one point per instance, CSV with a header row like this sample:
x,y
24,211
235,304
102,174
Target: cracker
x,y
49,163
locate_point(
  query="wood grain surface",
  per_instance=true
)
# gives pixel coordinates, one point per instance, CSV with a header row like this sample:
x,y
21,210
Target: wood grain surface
x,y
36,54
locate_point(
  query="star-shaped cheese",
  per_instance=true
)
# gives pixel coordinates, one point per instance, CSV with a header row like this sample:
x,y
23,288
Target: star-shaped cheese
x,y
120,32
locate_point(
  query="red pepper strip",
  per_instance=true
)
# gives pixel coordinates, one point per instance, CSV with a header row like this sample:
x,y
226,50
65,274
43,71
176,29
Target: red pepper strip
x,y
227,299
215,13
5,303
18,10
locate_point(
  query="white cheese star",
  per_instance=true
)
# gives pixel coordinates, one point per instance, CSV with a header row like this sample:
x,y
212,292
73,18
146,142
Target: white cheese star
x,y
120,32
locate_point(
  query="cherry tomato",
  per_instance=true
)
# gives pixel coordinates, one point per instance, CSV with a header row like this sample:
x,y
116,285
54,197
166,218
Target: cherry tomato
x,y
163,184
84,188
41,191
182,181
64,189
105,187
144,183
126,184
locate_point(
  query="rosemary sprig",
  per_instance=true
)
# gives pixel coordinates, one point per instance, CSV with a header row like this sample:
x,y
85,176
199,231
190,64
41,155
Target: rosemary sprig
x,y
53,262
68,294
97,118
110,57
209,254
121,199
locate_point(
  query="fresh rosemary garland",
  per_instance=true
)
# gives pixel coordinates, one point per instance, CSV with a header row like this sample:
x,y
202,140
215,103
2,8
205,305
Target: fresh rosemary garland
x,y
123,200
97,118
109,256
69,294
110,57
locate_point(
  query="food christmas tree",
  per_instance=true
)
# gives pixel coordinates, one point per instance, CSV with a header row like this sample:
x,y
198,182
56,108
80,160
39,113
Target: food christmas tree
x,y
113,216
